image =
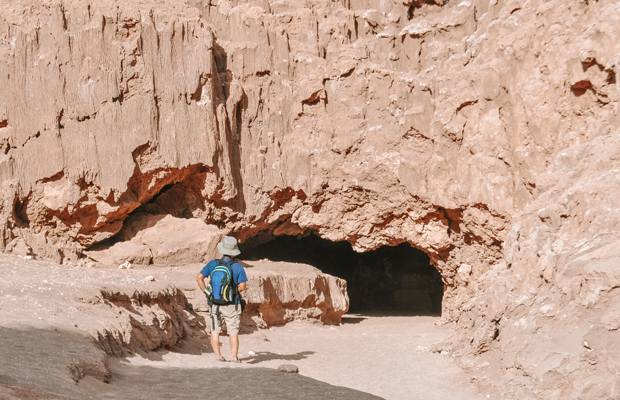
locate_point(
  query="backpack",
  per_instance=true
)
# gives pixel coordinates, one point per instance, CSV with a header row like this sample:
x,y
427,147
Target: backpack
x,y
222,286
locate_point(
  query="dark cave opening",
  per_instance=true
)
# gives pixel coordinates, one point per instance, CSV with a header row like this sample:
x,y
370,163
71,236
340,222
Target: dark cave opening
x,y
391,280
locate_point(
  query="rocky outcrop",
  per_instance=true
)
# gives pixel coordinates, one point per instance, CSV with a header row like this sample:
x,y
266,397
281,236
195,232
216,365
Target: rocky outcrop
x,y
549,310
445,124
282,292
18,247
257,148
121,309
146,321
159,239
128,311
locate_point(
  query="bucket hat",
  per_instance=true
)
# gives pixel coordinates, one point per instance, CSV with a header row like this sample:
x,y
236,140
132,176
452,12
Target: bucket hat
x,y
228,246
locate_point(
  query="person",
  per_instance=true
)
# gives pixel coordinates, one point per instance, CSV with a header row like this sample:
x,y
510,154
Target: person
x,y
231,313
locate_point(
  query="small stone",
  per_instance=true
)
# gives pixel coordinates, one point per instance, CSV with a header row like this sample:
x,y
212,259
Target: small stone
x,y
149,278
125,265
290,368
85,264
251,353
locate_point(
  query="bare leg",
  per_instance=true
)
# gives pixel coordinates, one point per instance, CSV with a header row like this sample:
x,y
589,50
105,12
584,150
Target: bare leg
x,y
234,346
215,343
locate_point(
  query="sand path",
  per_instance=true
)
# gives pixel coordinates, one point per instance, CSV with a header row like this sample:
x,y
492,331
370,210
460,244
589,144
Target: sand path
x,y
44,320
384,356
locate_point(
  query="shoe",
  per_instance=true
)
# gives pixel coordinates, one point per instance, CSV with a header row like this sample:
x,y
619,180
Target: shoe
x,y
220,359
236,361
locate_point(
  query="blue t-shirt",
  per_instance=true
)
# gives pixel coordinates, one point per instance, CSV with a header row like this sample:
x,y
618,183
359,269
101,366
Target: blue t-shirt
x,y
237,269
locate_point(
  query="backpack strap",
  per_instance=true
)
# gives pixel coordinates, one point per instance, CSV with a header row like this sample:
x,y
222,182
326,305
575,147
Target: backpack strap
x,y
227,264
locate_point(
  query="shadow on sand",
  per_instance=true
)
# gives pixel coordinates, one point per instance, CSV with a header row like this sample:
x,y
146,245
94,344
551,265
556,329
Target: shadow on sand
x,y
353,319
222,383
55,364
268,356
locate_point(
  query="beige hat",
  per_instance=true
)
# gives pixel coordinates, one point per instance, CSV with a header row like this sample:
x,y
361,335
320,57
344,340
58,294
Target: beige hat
x,y
228,246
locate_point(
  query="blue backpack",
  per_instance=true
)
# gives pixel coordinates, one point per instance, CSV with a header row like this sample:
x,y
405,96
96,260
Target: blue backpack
x,y
222,286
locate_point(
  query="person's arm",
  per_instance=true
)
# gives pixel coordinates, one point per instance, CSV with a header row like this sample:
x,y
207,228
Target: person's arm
x,y
240,277
204,273
201,282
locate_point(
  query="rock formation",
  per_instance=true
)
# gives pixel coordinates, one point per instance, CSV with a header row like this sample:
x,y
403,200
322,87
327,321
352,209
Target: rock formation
x,y
483,132
128,311
281,292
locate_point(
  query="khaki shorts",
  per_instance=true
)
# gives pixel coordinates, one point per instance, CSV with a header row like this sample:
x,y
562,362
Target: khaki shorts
x,y
230,316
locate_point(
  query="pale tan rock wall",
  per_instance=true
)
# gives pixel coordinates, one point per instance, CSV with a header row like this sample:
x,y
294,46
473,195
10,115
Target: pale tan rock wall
x,y
282,292
101,112
438,123
549,310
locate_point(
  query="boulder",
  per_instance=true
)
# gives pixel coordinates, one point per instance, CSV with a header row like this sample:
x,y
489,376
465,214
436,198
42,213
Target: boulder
x,y
161,239
180,241
280,292
122,252
19,247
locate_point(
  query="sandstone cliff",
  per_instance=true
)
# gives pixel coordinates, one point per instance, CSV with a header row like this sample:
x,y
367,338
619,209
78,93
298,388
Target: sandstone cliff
x,y
483,132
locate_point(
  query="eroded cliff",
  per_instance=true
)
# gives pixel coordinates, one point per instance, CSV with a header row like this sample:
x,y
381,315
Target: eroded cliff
x,y
482,132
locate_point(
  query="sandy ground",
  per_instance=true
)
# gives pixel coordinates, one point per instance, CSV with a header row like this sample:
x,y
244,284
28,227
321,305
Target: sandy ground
x,y
45,323
384,356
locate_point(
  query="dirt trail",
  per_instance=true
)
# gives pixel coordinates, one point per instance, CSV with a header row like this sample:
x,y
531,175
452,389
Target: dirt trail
x,y
46,318
384,356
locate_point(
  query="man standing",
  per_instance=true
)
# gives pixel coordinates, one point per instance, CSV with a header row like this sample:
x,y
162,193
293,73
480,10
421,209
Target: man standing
x,y
228,279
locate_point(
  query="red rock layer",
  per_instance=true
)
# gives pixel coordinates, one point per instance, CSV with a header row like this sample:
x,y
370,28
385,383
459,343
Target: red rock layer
x,y
482,132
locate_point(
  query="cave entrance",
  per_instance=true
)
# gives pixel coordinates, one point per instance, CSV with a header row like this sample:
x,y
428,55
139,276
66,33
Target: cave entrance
x,y
391,280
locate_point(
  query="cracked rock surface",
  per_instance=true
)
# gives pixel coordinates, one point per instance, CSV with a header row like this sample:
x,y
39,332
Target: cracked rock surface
x,y
482,132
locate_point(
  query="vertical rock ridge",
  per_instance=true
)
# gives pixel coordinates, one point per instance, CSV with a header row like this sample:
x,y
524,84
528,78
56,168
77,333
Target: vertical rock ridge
x,y
458,127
